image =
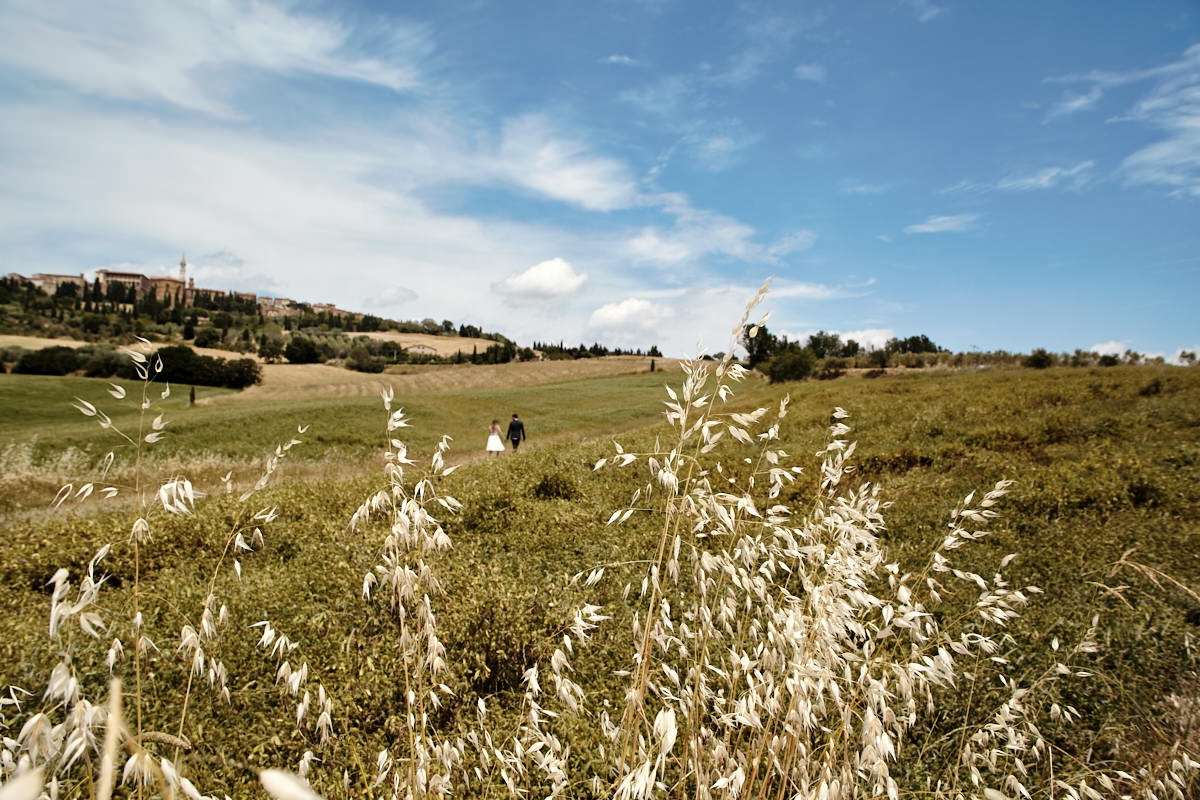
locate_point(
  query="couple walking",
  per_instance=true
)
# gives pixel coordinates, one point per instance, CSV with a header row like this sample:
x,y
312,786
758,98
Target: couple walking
x,y
515,433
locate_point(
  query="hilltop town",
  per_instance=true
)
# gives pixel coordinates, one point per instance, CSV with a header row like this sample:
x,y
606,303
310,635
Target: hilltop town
x,y
171,290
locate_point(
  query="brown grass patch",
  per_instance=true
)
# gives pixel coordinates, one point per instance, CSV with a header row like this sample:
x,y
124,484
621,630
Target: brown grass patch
x,y
38,342
442,345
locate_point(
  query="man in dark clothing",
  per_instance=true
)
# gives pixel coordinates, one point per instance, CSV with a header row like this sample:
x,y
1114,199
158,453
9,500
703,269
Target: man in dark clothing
x,y
516,432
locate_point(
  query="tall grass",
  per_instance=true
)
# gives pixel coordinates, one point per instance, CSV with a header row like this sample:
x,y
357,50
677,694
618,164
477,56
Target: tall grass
x,y
774,648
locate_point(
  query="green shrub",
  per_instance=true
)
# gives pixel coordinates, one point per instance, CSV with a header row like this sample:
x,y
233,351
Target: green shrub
x,y
300,350
49,361
555,486
791,365
208,336
1038,359
103,363
361,360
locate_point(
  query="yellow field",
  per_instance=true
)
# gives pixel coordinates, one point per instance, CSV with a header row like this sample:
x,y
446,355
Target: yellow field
x,y
38,342
442,345
283,381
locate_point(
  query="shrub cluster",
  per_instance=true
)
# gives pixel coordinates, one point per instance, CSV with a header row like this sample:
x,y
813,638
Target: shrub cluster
x,y
181,364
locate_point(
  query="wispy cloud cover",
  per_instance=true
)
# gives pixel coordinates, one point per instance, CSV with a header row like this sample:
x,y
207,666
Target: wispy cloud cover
x,y
1048,178
924,10
811,72
132,50
858,187
955,223
1073,103
1171,106
634,183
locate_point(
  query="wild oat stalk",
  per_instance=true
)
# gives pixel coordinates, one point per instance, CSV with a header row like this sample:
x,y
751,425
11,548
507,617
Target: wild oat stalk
x,y
60,739
778,654
404,580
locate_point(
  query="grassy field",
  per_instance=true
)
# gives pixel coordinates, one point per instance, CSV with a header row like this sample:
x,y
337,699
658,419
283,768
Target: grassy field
x,y
1105,461
48,442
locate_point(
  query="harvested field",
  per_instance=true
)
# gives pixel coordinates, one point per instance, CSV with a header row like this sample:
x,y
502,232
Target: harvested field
x,y
38,342
283,381
441,345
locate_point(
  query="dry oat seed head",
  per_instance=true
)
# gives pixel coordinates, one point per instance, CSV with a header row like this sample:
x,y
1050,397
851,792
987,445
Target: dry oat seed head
x,y
283,785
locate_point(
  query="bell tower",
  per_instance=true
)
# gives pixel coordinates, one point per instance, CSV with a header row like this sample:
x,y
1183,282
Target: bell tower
x,y
183,269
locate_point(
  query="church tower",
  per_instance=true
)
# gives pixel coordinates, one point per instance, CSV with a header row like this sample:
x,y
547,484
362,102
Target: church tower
x,y
183,269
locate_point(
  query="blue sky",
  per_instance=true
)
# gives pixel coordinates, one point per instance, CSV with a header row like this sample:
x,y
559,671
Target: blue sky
x,y
993,175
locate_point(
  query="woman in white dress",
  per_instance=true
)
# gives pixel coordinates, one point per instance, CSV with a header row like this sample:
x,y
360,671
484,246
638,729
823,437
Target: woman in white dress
x,y
494,445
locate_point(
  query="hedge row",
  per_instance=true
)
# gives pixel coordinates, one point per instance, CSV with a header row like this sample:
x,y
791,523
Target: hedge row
x,y
181,364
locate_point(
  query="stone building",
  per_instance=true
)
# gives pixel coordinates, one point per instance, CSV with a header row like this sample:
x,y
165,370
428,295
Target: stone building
x,y
49,282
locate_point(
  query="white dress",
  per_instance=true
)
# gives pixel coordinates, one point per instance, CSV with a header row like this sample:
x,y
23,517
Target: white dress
x,y
494,445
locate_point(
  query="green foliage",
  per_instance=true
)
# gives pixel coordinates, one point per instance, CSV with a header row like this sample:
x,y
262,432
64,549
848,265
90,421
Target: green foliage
x,y
48,361
1039,359
760,347
360,360
791,365
555,486
825,345
181,364
301,350
207,336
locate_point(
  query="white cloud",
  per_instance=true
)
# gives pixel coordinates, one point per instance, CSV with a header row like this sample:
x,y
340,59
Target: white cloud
x,y
791,243
1075,176
164,51
1048,178
951,224
1110,348
719,146
870,338
390,296
1073,103
631,318
924,9
857,187
533,155
622,60
966,186
344,210
546,280
1172,106
669,96
806,291
697,233
743,68
811,72
652,245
